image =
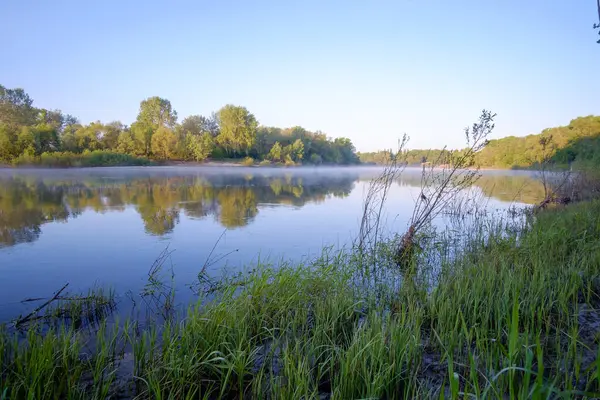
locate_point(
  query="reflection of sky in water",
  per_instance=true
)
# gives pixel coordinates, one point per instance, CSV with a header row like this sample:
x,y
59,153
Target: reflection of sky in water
x,y
112,237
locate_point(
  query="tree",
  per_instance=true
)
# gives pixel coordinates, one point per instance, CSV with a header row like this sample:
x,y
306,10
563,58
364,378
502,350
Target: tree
x,y
68,141
232,131
47,138
35,140
88,137
237,129
156,112
143,138
126,142
163,143
26,141
276,153
7,143
200,146
346,153
16,107
297,150
54,118
193,126
110,135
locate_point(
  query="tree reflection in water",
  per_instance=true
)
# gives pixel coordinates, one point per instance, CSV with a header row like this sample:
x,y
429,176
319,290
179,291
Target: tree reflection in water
x,y
28,202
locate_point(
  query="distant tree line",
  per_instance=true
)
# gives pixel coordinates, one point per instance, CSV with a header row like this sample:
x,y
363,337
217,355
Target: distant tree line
x,y
575,144
32,135
410,157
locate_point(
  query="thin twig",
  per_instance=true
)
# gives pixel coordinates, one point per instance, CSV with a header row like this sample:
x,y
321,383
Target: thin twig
x,y
29,316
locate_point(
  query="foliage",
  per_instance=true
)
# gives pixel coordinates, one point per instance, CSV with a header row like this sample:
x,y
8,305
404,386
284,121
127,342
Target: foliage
x,y
233,132
163,143
94,158
275,153
248,161
577,144
200,146
16,107
156,112
409,157
126,142
237,129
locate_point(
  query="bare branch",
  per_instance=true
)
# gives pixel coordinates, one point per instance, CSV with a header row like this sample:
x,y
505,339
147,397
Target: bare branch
x,y
29,316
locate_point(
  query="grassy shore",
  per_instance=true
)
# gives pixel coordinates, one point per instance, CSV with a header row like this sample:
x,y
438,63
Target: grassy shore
x,y
515,315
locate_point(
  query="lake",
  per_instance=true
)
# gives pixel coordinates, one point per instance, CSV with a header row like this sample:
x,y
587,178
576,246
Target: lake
x,y
106,226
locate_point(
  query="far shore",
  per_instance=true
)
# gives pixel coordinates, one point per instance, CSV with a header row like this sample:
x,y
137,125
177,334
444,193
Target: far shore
x,y
235,164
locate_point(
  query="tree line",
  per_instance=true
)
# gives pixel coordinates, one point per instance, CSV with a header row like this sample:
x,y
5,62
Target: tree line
x,y
36,135
577,144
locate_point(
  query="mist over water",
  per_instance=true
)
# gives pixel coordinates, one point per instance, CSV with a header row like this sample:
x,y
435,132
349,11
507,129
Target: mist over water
x,y
105,226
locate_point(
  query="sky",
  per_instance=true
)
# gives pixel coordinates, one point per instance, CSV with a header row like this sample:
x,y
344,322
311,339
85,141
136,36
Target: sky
x,y
367,70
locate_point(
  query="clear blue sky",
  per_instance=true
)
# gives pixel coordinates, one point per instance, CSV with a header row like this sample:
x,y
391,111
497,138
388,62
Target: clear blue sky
x,y
368,70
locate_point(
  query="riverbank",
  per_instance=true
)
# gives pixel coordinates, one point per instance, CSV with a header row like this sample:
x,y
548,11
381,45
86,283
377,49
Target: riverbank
x,y
96,158
102,158
512,317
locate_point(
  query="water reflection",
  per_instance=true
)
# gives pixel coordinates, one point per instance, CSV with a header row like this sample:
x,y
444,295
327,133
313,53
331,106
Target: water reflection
x,y
506,186
29,200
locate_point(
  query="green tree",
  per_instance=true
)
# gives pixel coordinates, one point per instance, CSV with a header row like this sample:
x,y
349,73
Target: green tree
x,y
197,125
276,153
345,151
68,139
110,135
35,140
8,138
126,142
200,146
297,150
157,112
194,126
142,135
237,129
163,143
16,107
88,137
26,141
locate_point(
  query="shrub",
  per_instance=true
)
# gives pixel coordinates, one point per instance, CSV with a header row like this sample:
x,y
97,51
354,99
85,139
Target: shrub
x,y
26,158
96,158
248,161
289,162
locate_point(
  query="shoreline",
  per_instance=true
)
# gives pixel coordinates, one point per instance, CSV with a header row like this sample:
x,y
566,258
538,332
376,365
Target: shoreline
x,y
234,164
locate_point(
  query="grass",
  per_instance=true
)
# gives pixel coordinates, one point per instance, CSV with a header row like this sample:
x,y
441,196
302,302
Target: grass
x,y
506,318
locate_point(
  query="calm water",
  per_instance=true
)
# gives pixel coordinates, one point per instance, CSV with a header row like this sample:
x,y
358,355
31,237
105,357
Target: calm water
x,y
106,226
